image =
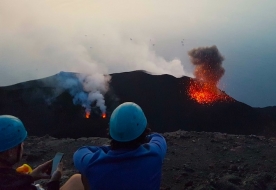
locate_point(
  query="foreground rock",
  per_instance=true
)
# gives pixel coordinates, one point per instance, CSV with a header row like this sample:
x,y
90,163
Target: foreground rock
x,y
194,160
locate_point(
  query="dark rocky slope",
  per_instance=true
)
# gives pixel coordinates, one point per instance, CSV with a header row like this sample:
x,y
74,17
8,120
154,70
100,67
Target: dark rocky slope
x,y
194,160
163,98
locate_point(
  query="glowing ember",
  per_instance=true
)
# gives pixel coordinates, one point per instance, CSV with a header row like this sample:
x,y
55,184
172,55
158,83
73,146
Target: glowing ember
x,y
87,115
206,93
104,115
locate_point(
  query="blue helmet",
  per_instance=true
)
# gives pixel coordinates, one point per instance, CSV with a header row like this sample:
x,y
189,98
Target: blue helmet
x,y
12,132
127,122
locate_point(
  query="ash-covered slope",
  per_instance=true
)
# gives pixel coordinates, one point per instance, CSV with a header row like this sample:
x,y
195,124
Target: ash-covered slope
x,y
163,98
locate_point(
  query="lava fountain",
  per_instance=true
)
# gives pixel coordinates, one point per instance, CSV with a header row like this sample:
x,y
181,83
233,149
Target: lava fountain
x,y
206,93
208,71
87,115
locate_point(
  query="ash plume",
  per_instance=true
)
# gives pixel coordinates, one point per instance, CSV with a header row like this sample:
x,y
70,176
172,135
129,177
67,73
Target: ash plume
x,y
85,89
208,64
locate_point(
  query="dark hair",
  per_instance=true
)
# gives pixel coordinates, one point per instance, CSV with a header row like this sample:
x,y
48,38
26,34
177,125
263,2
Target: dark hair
x,y
115,145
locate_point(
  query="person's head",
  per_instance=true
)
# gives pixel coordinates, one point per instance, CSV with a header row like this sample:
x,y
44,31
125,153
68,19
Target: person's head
x,y
12,135
128,126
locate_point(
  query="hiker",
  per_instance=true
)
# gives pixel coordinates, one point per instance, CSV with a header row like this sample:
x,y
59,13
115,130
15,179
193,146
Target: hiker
x,y
133,160
12,136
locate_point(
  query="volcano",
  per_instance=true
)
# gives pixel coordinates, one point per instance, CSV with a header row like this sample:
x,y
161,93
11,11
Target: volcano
x,y
164,99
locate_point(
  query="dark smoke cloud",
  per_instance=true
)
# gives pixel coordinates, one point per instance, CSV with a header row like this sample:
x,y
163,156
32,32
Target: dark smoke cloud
x,y
208,64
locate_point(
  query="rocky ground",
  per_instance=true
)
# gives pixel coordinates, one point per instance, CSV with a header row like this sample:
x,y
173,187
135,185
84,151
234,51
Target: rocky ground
x,y
194,160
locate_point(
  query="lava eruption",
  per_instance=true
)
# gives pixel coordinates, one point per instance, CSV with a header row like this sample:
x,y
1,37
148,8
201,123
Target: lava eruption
x,y
87,115
208,71
86,89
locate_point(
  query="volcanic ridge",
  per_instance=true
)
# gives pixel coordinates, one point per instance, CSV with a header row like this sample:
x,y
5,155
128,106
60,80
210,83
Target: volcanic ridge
x,y
165,100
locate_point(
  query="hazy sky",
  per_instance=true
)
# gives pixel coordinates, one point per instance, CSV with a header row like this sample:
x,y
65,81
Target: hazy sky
x,y
39,38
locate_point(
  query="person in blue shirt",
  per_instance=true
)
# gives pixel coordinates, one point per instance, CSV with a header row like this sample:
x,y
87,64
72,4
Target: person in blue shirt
x,y
133,160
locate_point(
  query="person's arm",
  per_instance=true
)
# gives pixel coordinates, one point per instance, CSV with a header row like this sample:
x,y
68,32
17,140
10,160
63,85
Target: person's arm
x,y
54,181
43,172
158,141
85,155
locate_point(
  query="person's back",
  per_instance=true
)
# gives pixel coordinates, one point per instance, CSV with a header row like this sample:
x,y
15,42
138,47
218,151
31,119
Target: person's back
x,y
139,168
129,163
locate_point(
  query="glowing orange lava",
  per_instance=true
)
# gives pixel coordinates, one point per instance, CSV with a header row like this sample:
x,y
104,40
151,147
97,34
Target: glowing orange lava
x,y
104,115
206,93
87,115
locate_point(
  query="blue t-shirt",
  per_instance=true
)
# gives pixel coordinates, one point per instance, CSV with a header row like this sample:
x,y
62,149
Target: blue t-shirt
x,y
123,169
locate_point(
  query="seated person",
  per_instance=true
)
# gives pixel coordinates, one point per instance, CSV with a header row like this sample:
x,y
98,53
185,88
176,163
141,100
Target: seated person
x,y
12,136
132,161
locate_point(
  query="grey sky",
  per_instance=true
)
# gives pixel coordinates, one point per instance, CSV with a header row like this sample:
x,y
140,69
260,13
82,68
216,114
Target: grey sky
x,y
42,38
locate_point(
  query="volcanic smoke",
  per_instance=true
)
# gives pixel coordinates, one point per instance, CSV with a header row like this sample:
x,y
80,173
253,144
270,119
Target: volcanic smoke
x,y
86,89
208,72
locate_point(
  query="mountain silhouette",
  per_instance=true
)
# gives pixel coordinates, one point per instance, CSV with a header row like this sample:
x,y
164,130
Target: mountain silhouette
x,y
163,98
